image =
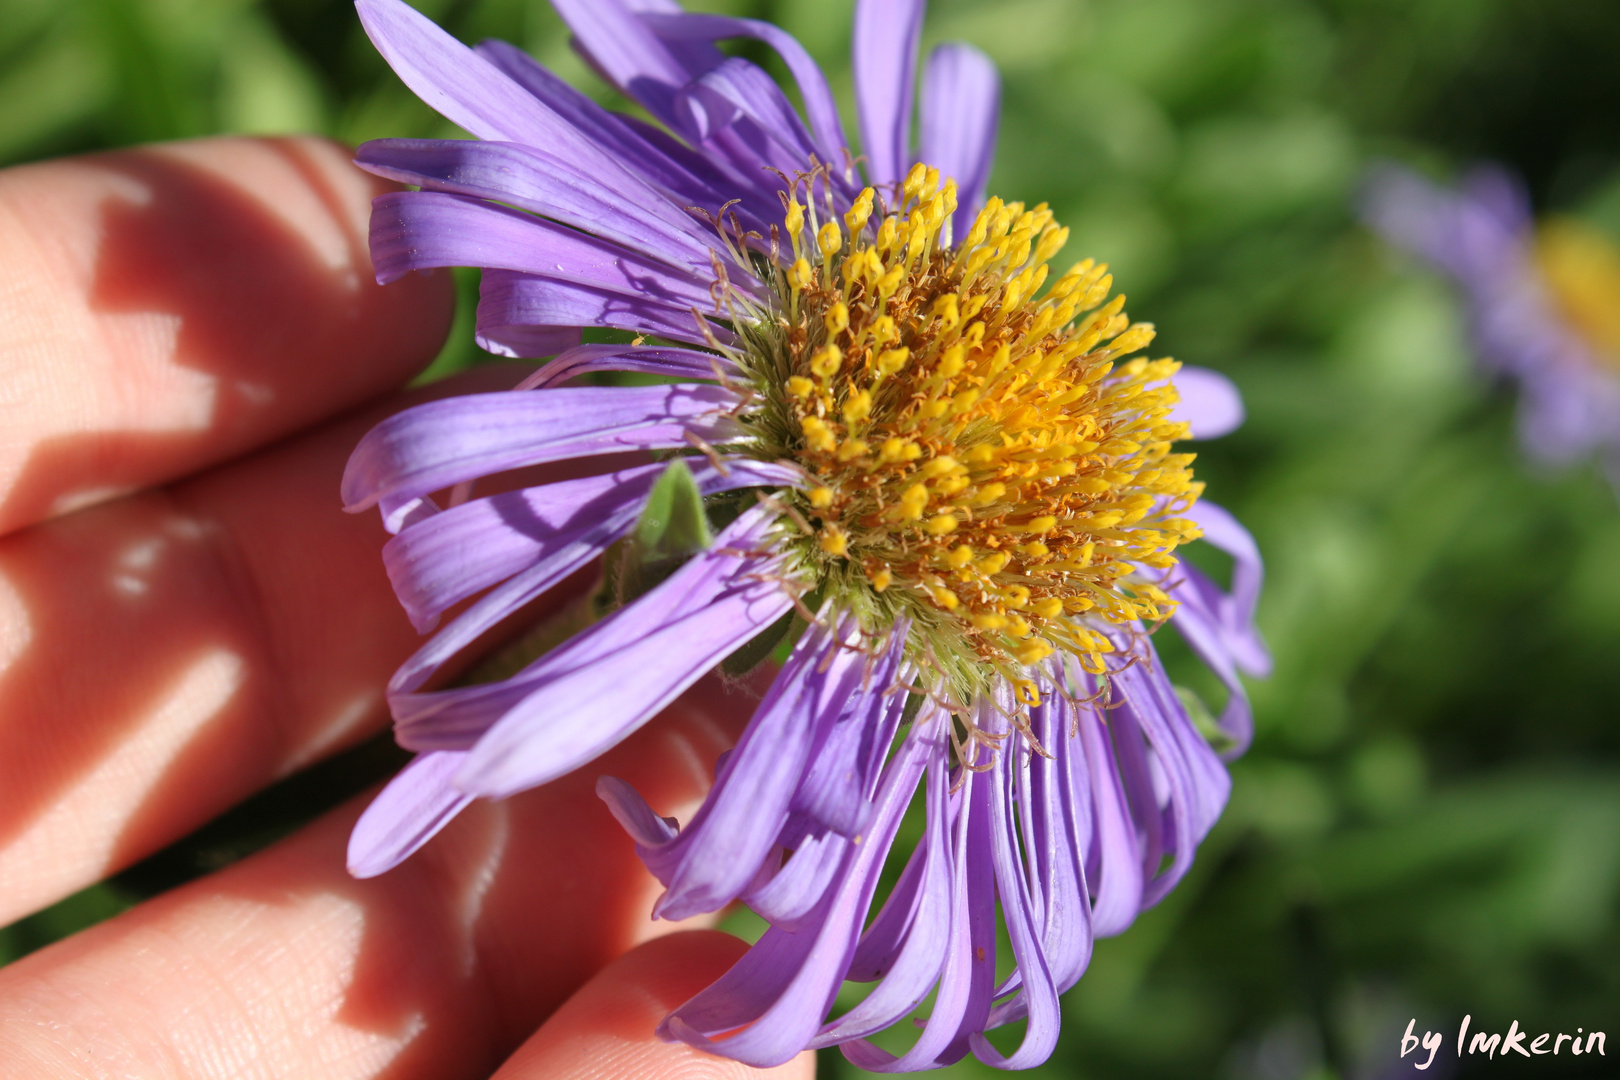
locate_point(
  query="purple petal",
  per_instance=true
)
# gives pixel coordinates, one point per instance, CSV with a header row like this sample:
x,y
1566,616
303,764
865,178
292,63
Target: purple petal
x,y
788,897
627,53
718,852
1210,403
1058,830
962,1001
906,943
783,986
466,549
1114,865
528,342
1201,621
961,106
1038,997
415,230
430,447
509,300
462,86
406,814
631,812
819,104
687,177
883,53
646,359
536,179
712,101
1225,532
470,91
586,708
471,709
837,789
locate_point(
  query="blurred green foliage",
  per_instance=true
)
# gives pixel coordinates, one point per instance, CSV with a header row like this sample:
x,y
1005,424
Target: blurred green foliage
x,y
1429,822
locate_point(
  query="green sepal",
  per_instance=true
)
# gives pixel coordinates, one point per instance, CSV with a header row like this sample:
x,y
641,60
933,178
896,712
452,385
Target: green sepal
x,y
671,529
673,523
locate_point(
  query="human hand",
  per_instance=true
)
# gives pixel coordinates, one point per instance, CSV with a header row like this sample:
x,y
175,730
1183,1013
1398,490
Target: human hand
x,y
190,345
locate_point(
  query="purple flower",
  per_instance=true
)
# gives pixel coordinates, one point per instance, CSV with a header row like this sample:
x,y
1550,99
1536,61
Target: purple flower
x,y
1543,304
936,466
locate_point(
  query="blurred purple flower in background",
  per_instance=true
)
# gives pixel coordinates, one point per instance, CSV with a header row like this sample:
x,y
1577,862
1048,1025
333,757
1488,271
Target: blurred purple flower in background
x,y
1543,304
933,472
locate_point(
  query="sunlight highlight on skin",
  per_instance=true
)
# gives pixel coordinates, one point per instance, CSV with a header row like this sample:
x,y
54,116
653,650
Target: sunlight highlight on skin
x,y
114,791
343,726
16,627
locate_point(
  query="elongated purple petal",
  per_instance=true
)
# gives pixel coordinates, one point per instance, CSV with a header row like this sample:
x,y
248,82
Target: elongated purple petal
x,y
537,179
463,87
688,178
961,107
837,789
508,300
453,718
646,359
906,943
714,858
470,91
962,1000
1210,402
788,898
583,711
627,53
429,447
883,54
1058,828
1038,995
415,230
819,105
783,986
466,549
406,814
1114,865
711,102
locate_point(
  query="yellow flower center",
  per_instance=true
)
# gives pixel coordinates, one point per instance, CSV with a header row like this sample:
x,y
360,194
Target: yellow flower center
x,y
1582,270
979,462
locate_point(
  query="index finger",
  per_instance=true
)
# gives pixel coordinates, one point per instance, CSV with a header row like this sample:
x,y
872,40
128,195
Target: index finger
x,y
168,307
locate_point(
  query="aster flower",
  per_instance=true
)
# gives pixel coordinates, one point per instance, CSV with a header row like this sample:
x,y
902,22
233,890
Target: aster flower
x,y
1543,303
938,474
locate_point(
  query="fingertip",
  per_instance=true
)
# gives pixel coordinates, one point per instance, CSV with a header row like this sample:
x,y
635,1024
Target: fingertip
x,y
606,1030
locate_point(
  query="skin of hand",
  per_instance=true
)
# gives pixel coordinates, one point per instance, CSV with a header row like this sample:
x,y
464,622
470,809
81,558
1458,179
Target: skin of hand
x,y
191,342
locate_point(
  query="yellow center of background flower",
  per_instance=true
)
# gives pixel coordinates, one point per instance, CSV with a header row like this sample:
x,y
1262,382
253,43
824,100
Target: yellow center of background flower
x,y
978,458
1582,268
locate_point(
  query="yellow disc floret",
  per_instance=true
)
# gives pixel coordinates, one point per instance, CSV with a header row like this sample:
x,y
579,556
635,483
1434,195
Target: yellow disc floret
x,y
981,459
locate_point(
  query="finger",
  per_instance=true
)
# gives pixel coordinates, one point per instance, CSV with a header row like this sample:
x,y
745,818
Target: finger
x,y
282,965
165,654
171,306
605,1032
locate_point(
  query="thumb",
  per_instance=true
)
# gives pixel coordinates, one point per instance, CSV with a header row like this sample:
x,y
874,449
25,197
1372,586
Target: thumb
x,y
605,1031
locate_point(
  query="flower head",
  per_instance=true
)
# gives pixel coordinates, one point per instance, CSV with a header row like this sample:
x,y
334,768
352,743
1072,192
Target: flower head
x,y
1543,302
942,470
